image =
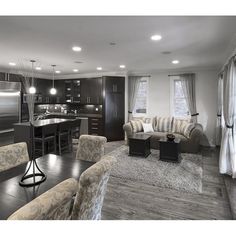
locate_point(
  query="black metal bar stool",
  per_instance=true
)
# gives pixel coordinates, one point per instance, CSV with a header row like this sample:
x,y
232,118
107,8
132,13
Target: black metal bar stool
x,y
46,136
64,136
75,128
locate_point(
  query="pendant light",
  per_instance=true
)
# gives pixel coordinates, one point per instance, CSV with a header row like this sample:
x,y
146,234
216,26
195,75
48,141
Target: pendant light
x,y
32,89
53,91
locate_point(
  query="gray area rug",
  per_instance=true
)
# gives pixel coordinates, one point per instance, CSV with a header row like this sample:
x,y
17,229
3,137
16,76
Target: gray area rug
x,y
184,176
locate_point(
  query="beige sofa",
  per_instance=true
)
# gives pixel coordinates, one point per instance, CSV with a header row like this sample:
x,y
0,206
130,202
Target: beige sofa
x,y
188,144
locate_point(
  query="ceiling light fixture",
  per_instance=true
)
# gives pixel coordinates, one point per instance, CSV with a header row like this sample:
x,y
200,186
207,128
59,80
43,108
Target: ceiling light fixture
x,y
122,66
57,71
76,49
156,37
75,70
99,68
32,89
38,68
53,91
12,63
175,62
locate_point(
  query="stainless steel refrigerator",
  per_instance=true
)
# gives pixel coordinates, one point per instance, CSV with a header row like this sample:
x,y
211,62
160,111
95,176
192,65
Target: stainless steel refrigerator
x,y
10,105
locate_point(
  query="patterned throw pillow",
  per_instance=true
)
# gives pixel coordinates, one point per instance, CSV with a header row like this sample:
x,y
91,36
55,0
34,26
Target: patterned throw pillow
x,y
136,125
162,124
182,127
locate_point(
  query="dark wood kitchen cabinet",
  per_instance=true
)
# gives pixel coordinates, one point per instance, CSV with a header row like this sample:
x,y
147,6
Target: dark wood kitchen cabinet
x,y
95,126
91,91
60,95
73,91
114,108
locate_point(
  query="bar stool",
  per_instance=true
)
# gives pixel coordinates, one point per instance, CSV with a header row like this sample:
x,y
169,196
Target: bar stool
x,y
46,136
75,128
64,136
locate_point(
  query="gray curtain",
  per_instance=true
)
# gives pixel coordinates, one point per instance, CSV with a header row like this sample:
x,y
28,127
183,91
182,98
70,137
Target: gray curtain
x,y
133,86
188,85
219,111
227,161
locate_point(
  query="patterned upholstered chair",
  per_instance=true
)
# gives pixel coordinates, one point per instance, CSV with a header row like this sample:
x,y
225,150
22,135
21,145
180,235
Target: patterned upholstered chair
x,y
13,155
55,204
92,187
90,148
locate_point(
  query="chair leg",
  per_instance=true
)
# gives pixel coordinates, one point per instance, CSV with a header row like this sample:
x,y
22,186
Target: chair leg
x,y
59,144
43,147
55,145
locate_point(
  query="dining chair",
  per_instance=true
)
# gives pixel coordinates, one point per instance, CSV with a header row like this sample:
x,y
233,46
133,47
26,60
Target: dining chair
x,y
92,188
90,147
13,155
55,204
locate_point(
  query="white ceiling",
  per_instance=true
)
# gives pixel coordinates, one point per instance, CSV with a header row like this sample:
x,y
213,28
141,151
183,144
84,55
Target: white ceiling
x,y
194,41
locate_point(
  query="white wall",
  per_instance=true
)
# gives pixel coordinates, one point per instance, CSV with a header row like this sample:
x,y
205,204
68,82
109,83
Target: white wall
x,y
206,96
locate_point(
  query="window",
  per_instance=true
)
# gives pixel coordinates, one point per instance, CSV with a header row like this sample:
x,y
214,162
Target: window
x,y
140,107
179,104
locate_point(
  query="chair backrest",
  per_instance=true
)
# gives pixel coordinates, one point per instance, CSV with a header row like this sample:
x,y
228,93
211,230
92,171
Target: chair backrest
x,y
49,130
90,148
92,188
75,124
55,204
64,126
13,155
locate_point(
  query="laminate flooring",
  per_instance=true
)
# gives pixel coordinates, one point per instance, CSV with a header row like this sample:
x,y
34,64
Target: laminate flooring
x,y
132,200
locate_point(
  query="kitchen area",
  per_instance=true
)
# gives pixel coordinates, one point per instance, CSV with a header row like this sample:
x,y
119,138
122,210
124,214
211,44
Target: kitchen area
x,y
97,102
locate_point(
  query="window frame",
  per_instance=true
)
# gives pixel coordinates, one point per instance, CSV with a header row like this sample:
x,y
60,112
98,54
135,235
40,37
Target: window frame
x,y
172,97
147,100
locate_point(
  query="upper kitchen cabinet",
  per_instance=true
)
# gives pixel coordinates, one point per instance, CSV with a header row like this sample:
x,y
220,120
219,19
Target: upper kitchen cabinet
x,y
73,91
91,91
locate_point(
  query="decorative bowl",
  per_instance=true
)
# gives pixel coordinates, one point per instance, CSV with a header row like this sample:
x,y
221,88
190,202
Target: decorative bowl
x,y
170,137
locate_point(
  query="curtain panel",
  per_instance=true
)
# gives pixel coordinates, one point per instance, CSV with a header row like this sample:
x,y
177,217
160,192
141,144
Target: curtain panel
x,y
219,118
133,86
188,85
227,161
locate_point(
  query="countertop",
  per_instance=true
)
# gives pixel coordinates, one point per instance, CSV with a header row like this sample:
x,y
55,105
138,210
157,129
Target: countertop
x,y
39,123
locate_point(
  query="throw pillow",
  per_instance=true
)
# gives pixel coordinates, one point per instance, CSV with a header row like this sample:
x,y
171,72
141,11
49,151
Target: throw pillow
x,y
137,125
147,127
163,124
182,127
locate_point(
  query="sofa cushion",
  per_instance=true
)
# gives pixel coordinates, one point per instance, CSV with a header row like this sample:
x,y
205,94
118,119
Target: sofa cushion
x,y
137,125
162,124
182,127
147,127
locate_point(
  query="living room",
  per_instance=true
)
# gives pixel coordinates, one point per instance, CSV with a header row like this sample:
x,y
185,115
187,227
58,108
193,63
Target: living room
x,y
117,117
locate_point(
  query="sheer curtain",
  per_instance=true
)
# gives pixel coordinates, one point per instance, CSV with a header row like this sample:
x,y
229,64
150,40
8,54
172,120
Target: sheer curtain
x,y
188,85
228,143
133,86
219,111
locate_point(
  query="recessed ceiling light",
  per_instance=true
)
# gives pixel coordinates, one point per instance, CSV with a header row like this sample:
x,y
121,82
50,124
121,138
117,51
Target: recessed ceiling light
x,y
156,37
122,66
12,63
78,62
38,68
75,70
99,68
58,71
112,43
76,49
175,62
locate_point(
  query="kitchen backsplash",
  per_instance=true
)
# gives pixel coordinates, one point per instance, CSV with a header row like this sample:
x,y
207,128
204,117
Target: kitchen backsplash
x,y
68,108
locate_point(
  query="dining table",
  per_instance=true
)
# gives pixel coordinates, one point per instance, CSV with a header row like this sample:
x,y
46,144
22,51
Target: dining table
x,y
57,169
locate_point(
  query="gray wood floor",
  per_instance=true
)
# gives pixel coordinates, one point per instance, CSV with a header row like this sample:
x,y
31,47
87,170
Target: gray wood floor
x,y
130,200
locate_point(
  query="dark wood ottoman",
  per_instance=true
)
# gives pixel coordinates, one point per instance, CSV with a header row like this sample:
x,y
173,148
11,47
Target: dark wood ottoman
x,y
139,145
170,150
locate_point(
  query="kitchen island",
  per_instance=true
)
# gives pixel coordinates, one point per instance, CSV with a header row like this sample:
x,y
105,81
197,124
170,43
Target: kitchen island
x,y
23,132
